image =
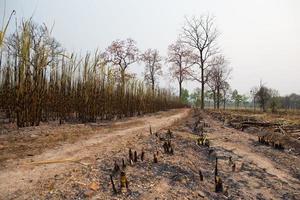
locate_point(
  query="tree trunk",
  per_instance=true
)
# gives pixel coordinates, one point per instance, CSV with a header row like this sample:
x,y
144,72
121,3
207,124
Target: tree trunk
x,y
153,85
180,89
202,87
123,81
214,98
218,98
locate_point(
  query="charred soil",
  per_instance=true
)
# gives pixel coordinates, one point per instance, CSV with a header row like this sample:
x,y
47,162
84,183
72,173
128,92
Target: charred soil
x,y
174,160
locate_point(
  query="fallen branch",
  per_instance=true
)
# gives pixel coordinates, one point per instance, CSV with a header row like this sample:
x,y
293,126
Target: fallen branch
x,y
58,161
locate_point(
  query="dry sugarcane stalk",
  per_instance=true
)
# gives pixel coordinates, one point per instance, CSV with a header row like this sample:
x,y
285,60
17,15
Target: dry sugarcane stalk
x,y
123,164
218,180
200,175
2,32
242,166
155,158
218,184
169,134
165,146
135,159
130,155
233,167
171,150
40,82
113,184
216,167
116,167
230,160
142,155
123,182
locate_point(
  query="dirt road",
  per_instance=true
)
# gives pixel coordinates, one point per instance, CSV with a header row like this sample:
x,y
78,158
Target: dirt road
x,y
81,169
20,176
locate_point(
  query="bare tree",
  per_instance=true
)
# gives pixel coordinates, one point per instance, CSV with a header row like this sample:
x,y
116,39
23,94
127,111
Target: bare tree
x,y
263,95
122,53
180,57
217,78
274,100
225,92
253,92
201,34
152,60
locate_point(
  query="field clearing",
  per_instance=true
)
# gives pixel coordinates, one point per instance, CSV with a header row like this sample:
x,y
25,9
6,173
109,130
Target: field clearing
x,y
285,116
80,168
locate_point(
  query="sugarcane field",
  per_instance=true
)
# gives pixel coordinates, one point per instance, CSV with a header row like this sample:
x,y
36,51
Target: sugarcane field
x,y
149,100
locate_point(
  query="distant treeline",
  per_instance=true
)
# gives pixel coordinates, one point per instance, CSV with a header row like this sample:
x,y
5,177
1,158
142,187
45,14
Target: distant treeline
x,y
291,101
288,102
261,97
40,81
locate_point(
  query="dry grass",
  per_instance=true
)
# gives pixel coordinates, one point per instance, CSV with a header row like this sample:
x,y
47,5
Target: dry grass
x,y
281,116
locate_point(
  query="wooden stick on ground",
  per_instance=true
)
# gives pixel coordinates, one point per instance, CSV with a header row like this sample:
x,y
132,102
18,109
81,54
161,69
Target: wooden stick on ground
x,y
75,160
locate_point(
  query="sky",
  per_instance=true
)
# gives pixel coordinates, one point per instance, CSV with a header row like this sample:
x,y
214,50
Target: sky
x,y
260,38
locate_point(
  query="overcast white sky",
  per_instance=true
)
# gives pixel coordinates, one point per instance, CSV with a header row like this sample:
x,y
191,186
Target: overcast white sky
x,y
261,38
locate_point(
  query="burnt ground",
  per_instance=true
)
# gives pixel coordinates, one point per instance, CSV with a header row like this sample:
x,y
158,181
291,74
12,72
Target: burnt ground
x,y
79,168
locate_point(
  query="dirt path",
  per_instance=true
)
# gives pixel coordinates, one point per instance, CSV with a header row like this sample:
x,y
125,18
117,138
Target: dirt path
x,y
268,174
261,172
23,175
